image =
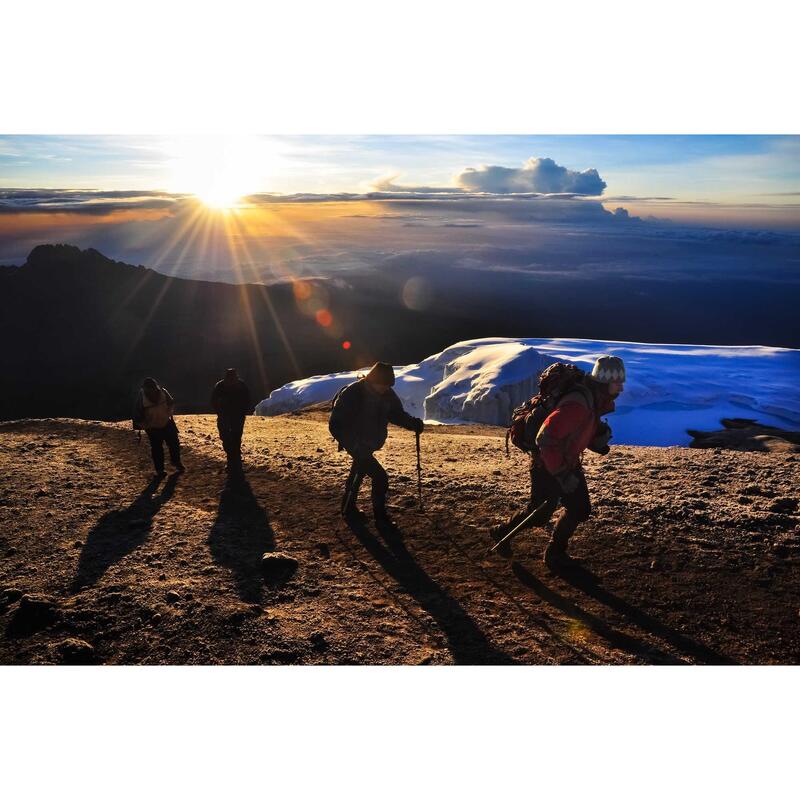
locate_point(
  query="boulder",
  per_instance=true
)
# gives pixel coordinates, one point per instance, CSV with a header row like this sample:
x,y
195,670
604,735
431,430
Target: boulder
x,y
75,651
35,612
277,568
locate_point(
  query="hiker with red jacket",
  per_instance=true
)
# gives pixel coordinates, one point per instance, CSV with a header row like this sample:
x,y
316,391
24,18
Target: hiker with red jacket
x,y
573,426
359,422
152,413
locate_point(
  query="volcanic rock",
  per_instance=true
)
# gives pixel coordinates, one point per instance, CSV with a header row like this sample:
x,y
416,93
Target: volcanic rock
x,y
277,568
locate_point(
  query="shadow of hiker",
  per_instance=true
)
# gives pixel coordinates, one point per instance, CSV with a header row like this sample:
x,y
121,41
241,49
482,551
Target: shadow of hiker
x,y
622,641
688,646
585,581
118,533
466,641
240,536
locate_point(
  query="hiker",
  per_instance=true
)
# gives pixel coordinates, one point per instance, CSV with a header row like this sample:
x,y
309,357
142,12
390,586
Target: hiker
x,y
573,426
231,401
359,422
152,413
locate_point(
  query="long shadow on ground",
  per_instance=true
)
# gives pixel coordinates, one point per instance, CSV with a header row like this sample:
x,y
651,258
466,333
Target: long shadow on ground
x,y
466,641
240,536
695,650
118,533
584,581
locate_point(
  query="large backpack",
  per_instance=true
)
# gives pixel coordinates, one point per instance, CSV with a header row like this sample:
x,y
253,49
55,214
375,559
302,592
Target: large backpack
x,y
336,424
556,381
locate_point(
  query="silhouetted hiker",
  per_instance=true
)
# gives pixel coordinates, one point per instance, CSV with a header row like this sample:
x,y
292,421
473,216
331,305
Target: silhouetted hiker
x,y
152,413
359,422
571,427
231,400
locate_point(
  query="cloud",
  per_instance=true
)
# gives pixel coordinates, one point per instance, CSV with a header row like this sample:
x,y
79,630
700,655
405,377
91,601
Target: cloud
x,y
541,175
628,198
93,203
388,185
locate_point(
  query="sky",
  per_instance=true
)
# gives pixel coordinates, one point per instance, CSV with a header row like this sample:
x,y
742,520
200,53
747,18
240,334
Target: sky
x,y
728,169
625,214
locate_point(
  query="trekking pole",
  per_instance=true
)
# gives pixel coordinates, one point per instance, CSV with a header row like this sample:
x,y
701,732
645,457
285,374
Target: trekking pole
x,y
419,474
350,488
543,512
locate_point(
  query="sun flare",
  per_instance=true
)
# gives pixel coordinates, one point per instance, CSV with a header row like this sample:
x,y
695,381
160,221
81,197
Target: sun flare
x,y
219,170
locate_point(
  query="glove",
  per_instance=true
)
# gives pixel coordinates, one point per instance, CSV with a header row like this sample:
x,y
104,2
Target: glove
x,y
600,442
419,426
568,481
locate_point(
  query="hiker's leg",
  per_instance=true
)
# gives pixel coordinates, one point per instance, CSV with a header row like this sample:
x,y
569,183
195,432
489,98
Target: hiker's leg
x,y
380,484
224,434
543,488
577,508
237,429
174,445
156,438
351,487
355,478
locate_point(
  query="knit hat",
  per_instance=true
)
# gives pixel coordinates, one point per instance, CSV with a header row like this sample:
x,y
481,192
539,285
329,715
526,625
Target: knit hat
x,y
381,373
609,369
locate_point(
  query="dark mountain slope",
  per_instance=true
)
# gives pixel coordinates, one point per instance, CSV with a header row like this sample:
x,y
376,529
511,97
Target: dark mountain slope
x,y
80,331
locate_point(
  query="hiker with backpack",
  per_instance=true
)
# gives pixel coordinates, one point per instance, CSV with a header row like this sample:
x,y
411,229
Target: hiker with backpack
x,y
152,413
231,401
359,422
555,428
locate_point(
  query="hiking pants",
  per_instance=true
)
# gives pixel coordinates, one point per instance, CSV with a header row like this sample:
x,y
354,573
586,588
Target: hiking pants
x,y
158,437
368,465
230,431
577,505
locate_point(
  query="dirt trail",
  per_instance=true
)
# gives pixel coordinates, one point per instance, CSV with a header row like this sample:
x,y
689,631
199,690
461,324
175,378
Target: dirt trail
x,y
692,556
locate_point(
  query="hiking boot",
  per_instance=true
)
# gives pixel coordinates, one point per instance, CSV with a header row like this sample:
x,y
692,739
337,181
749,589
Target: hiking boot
x,y
556,557
496,534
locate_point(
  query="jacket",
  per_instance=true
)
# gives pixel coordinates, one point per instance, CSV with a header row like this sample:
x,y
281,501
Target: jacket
x,y
360,417
231,400
153,415
569,430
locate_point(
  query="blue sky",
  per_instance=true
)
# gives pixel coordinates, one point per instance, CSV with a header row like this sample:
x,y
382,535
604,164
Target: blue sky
x,y
721,169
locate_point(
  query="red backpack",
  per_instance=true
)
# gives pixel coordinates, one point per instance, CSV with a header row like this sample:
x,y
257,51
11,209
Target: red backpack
x,y
554,382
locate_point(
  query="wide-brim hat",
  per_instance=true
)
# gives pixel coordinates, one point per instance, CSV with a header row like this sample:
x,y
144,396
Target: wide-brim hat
x,y
382,373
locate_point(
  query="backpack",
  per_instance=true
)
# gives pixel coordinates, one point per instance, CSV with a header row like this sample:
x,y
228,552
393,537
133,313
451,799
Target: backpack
x,y
556,381
337,425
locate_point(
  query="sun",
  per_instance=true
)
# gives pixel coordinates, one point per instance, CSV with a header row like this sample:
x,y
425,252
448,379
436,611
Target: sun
x,y
219,170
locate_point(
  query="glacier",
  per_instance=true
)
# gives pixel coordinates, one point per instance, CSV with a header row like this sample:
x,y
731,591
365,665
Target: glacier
x,y
669,387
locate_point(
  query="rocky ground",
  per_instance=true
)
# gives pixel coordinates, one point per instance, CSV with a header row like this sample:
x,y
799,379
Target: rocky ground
x,y
692,556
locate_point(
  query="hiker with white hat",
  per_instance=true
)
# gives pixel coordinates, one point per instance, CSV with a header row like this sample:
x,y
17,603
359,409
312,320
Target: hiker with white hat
x,y
571,424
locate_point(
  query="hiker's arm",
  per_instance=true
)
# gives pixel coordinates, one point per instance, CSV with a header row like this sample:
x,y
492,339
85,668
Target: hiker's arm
x,y
247,401
599,444
399,416
556,438
170,402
